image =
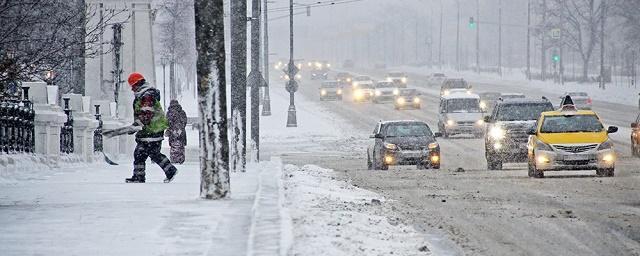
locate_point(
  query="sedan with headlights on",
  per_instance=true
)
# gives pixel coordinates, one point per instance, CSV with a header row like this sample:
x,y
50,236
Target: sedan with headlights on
x,y
330,90
398,78
407,98
384,91
403,143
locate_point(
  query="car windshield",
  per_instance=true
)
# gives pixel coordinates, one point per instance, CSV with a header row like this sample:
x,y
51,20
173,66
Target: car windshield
x,y
513,96
522,112
384,85
329,85
410,92
438,75
576,123
365,86
578,94
455,84
396,74
342,75
408,130
362,78
463,106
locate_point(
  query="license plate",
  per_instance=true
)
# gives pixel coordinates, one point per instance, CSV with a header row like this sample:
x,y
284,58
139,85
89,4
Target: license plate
x,y
576,157
412,153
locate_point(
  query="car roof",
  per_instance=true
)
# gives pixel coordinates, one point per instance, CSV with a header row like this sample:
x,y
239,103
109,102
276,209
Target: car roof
x,y
511,94
460,95
574,113
522,101
401,122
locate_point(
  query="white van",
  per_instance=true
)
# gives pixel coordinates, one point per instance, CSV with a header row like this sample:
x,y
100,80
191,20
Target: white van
x,y
460,113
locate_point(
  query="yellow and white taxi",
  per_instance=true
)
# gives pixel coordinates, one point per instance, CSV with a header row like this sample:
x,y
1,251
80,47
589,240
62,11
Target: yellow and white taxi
x,y
570,139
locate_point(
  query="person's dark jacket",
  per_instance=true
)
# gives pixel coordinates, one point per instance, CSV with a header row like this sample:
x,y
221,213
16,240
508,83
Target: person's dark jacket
x,y
177,123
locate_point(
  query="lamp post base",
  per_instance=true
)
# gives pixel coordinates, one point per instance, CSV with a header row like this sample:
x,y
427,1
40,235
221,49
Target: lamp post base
x,y
291,117
266,103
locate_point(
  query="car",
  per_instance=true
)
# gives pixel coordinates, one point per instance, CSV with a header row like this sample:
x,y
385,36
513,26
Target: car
x,y
407,98
511,95
330,90
506,138
436,79
403,143
344,78
460,113
488,101
580,99
385,92
398,78
319,70
363,93
361,80
570,139
453,83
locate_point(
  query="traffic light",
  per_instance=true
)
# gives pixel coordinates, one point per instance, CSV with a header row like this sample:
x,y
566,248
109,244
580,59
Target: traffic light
x,y
555,57
472,23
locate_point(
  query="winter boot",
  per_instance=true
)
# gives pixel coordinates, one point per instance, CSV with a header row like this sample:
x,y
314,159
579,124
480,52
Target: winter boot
x,y
135,179
170,174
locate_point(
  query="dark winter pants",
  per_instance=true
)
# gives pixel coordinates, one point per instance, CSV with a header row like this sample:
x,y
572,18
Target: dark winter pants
x,y
151,150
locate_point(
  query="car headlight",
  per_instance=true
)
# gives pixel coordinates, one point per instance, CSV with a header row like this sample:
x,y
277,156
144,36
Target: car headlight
x,y
404,80
396,92
605,145
416,100
433,145
286,77
497,133
323,92
446,92
401,101
339,91
355,84
483,104
390,146
468,91
378,93
543,146
480,122
451,122
348,79
389,79
328,65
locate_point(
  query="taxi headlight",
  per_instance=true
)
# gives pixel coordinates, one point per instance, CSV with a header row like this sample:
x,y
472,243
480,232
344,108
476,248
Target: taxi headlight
x,y
605,145
497,133
480,122
378,93
451,122
609,158
416,100
355,84
433,145
396,92
339,91
401,101
323,92
543,146
390,146
404,80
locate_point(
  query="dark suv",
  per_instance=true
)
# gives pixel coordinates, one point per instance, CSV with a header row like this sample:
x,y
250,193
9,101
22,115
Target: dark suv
x,y
506,137
403,143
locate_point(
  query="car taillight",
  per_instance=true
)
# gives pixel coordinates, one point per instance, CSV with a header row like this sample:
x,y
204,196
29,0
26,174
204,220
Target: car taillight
x,y
589,101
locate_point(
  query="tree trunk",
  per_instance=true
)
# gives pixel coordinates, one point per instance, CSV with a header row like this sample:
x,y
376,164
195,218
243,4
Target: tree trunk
x,y
238,49
585,70
214,144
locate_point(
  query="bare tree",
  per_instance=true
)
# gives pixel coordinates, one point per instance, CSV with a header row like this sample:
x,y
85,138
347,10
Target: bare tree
x,y
41,35
214,153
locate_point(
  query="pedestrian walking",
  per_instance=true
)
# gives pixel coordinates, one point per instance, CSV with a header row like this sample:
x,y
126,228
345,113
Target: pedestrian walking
x,y
177,132
149,115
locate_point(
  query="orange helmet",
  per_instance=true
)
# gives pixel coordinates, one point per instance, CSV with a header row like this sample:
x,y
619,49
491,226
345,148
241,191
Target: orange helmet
x,y
134,78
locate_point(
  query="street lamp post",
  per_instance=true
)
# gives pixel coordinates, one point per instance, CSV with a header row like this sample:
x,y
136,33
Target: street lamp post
x,y
163,61
292,85
266,101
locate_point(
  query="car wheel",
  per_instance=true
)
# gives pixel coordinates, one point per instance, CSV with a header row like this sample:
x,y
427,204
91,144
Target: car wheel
x,y
634,149
369,164
605,172
534,172
493,164
421,166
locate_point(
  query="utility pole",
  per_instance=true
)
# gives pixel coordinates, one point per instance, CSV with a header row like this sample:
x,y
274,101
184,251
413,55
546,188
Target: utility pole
x,y
117,64
266,101
163,61
458,37
238,21
543,47
602,17
292,85
529,40
478,36
440,38
500,38
255,76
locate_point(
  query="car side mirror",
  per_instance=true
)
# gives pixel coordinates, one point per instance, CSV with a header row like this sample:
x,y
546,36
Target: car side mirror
x,y
634,125
376,136
612,129
487,119
531,131
437,134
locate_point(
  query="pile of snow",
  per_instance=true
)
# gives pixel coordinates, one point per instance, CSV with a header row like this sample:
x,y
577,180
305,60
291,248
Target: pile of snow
x,y
332,217
28,167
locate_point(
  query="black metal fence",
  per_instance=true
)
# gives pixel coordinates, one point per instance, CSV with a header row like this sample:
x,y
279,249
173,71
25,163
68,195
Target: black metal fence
x,y
16,123
97,134
66,132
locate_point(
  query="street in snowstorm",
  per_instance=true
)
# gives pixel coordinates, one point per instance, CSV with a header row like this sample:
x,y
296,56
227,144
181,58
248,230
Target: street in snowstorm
x,y
329,127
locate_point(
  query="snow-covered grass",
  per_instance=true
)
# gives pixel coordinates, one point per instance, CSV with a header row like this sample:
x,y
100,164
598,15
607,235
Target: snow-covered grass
x,y
332,217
